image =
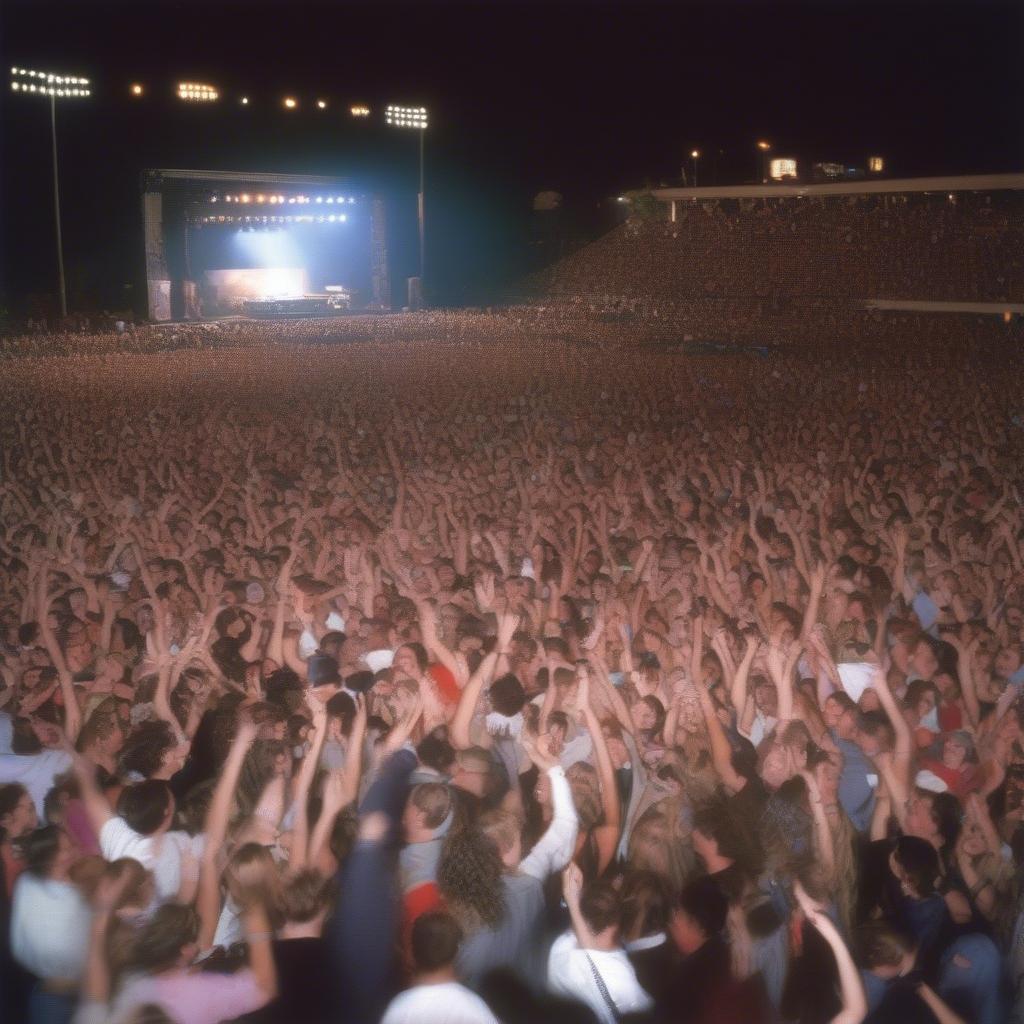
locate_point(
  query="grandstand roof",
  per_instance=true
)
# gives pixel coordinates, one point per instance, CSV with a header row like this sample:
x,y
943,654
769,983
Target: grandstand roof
x,y
963,183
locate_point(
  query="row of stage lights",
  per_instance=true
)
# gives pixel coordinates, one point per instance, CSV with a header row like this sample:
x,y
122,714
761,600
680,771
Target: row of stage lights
x,y
245,197
339,218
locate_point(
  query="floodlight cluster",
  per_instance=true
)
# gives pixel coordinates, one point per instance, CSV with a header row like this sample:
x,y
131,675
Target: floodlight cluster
x,y
278,200
359,111
406,117
197,92
45,83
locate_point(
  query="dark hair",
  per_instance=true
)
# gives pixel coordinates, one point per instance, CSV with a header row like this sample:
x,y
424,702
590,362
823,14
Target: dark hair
x,y
436,936
158,943
920,863
10,796
39,849
144,805
306,894
23,737
704,902
359,682
28,633
144,748
881,945
435,750
947,815
507,695
599,905
643,904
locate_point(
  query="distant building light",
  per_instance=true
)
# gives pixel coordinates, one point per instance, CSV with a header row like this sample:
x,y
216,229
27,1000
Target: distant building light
x,y
782,168
876,164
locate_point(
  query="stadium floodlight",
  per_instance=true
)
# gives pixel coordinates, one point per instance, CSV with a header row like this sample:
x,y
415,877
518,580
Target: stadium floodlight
x,y
290,102
359,110
244,101
413,117
197,92
321,104
47,83
137,89
763,147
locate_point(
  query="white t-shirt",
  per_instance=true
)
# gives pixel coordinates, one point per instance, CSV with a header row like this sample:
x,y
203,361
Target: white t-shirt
x,y
159,854
447,1003
50,925
35,772
569,974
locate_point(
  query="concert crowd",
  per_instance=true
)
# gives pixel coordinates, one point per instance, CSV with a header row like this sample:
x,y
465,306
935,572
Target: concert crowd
x,y
482,678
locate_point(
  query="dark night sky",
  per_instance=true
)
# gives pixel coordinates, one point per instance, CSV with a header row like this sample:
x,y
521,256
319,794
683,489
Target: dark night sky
x,y
585,98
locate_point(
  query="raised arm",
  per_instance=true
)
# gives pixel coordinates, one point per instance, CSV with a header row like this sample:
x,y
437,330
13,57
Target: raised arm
x,y
608,833
300,798
855,1003
554,849
216,829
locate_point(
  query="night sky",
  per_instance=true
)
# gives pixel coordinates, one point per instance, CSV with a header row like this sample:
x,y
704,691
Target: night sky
x,y
584,98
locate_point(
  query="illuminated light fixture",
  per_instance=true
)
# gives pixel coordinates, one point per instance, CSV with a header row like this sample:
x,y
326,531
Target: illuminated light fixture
x,y
406,117
280,199
343,217
876,164
291,199
330,199
62,86
244,101
245,197
137,89
227,199
622,199
321,104
56,87
261,199
359,111
273,199
213,199
764,146
695,154
320,199
197,92
331,219
290,103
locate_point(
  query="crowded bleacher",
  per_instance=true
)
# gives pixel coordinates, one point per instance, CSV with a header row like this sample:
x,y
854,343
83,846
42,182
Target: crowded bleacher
x,y
515,666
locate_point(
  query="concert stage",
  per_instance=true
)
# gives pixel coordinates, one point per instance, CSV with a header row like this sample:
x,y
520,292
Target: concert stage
x,y
223,243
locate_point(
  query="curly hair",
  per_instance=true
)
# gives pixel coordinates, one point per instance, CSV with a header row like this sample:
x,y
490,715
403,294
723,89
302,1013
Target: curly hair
x,y
469,876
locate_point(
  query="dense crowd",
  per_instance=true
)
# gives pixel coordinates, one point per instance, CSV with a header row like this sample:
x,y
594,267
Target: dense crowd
x,y
956,247
477,679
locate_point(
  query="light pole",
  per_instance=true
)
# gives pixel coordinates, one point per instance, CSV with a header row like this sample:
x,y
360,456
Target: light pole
x,y
763,147
695,156
45,83
413,117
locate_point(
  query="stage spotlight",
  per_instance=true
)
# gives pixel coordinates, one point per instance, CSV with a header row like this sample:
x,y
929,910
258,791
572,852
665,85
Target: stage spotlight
x,y
331,219
319,199
245,101
245,197
290,103
343,217
330,199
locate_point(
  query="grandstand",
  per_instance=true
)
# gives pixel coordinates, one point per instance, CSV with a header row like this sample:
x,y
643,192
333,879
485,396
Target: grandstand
x,y
786,263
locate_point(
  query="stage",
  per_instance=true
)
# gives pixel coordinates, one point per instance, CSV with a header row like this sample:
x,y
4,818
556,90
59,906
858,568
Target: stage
x,y
279,246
